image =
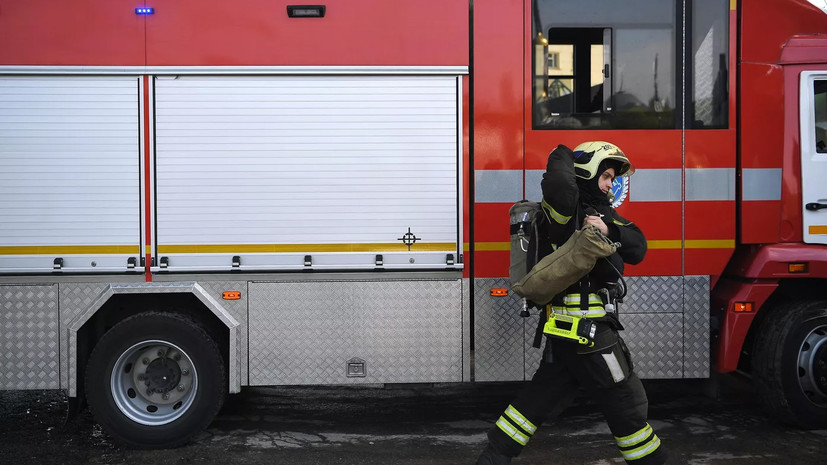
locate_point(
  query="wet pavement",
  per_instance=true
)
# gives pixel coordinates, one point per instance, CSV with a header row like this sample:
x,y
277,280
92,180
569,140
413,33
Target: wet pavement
x,y
413,424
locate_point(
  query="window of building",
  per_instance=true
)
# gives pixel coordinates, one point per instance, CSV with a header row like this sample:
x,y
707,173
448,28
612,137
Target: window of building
x,y
553,60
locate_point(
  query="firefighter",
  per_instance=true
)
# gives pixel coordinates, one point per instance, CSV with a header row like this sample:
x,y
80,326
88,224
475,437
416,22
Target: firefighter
x,y
576,188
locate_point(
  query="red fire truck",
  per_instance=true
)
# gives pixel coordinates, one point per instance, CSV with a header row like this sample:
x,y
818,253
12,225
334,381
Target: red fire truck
x,y
198,196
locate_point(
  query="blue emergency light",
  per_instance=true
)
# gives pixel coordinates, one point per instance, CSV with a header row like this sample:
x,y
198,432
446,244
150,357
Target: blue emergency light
x,y
144,11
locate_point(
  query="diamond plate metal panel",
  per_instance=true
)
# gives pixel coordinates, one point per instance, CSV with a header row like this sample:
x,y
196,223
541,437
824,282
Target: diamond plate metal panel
x,y
533,356
499,333
238,310
656,343
306,332
29,337
666,320
653,294
75,298
696,363
466,330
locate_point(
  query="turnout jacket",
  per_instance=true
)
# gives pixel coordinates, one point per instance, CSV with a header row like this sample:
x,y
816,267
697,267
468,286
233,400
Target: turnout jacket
x,y
565,211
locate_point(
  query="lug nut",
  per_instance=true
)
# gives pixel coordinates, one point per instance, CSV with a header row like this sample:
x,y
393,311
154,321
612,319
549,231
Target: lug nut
x,y
181,388
165,396
185,372
160,353
145,361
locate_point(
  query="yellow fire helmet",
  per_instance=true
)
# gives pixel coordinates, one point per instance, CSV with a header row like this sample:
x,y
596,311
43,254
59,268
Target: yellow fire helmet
x,y
588,155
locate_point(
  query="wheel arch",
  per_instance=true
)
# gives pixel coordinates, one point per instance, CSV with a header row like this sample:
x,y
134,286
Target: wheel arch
x,y
119,301
760,274
788,290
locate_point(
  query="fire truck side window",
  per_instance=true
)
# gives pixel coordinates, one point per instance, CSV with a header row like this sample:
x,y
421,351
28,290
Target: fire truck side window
x,y
618,65
575,70
820,100
710,38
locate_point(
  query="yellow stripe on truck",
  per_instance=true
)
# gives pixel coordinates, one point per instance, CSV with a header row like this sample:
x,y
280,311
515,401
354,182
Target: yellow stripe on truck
x,y
306,248
653,244
69,250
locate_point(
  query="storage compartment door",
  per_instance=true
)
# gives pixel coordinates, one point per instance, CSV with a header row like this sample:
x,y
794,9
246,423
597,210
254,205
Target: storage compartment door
x,y
307,172
69,174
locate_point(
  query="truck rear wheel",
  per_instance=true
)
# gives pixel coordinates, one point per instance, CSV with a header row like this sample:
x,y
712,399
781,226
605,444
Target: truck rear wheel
x,y
790,363
155,380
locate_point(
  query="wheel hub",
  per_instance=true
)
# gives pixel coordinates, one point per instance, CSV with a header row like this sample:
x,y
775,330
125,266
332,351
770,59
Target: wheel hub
x,y
812,366
820,368
154,382
162,375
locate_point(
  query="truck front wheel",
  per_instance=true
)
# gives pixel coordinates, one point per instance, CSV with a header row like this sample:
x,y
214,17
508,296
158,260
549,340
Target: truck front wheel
x,y
155,380
790,363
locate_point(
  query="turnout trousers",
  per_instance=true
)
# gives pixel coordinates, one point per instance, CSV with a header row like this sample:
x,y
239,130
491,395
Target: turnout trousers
x,y
605,372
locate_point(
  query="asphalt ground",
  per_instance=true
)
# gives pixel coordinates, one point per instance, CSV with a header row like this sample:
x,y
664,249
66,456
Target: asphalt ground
x,y
414,424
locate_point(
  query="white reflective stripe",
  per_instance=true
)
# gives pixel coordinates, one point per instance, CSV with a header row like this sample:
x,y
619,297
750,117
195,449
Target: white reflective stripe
x,y
647,185
761,184
710,184
592,312
614,367
533,189
517,436
520,419
574,299
642,451
493,186
634,438
656,185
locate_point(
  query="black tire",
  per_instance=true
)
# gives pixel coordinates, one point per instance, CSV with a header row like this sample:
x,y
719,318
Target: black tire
x,y
789,363
155,380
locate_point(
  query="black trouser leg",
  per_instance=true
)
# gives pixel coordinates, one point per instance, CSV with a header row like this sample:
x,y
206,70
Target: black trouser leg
x,y
626,408
550,390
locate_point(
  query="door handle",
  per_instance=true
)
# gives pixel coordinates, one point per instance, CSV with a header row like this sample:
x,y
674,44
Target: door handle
x,y
815,206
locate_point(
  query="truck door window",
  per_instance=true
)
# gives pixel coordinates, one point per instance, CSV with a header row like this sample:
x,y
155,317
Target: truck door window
x,y
709,78
622,65
574,70
820,106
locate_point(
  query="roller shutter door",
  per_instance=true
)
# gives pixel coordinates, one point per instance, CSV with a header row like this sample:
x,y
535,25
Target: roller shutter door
x,y
282,171
69,173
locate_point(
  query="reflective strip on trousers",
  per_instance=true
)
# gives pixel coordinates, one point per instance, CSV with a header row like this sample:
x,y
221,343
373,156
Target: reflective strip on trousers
x,y
520,420
512,431
639,444
635,437
642,451
614,367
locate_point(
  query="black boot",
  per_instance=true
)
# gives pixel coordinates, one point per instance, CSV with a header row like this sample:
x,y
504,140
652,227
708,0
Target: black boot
x,y
491,457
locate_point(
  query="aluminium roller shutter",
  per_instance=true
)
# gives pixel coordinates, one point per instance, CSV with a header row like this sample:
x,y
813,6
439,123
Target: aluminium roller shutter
x,y
69,173
272,169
